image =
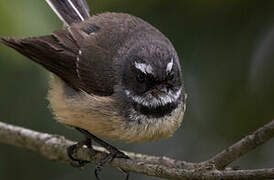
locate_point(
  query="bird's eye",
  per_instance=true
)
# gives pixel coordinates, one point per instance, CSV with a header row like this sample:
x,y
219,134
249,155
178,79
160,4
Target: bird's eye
x,y
140,77
170,76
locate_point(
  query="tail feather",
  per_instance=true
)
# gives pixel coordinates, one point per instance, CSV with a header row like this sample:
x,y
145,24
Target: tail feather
x,y
70,11
83,7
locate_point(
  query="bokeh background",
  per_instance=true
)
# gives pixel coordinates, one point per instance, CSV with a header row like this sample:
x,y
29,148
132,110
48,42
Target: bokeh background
x,y
227,53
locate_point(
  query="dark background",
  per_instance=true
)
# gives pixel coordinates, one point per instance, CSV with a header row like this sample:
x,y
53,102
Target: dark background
x,y
226,48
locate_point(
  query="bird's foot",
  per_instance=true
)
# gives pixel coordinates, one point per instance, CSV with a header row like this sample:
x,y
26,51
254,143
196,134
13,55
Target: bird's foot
x,y
109,157
113,153
71,150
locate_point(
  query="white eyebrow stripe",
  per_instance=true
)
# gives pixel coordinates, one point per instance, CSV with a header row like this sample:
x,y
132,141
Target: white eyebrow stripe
x,y
147,69
169,66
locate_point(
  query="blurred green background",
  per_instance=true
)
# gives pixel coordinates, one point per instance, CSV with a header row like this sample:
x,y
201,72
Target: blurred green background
x,y
227,53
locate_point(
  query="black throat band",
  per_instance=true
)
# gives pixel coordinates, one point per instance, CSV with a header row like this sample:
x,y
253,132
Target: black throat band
x,y
155,112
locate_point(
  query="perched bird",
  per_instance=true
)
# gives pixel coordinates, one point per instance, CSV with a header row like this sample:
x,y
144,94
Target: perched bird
x,y
115,76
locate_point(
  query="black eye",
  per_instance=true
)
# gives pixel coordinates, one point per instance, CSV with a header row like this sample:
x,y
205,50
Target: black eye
x,y
140,77
170,76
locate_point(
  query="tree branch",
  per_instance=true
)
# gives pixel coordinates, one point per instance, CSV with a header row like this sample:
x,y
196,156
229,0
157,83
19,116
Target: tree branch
x,y
54,147
250,142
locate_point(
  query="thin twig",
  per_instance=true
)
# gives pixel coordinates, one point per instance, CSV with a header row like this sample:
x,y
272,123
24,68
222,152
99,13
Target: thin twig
x,y
250,142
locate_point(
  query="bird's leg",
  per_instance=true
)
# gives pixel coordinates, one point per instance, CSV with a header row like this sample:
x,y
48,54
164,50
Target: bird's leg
x,y
113,152
70,151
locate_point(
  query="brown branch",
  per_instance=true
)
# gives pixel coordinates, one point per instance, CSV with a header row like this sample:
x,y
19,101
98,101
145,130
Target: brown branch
x,y
54,147
249,143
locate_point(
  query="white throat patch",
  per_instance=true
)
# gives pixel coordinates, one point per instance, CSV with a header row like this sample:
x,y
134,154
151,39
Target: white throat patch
x,y
146,69
150,101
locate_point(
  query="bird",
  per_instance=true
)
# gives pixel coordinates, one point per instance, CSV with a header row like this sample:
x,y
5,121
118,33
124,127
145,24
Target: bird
x,y
113,76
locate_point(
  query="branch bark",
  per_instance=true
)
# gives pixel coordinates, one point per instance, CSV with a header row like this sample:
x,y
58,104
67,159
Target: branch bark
x,y
250,142
54,147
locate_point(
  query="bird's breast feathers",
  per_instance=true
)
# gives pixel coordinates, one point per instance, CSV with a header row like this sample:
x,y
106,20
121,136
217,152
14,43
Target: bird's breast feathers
x,y
101,116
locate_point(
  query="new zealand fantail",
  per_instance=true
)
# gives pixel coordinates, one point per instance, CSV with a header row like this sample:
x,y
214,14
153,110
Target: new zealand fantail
x,y
115,76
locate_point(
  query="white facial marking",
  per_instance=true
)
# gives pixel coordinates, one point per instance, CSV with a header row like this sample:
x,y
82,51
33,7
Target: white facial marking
x,y
169,66
150,101
146,69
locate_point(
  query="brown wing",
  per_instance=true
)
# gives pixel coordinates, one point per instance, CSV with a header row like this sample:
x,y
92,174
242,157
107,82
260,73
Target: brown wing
x,y
61,54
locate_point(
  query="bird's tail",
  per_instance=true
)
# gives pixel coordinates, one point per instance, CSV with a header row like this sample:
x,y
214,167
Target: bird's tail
x,y
70,11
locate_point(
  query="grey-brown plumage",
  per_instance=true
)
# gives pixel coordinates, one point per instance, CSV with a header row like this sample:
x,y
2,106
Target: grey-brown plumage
x,y
115,75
